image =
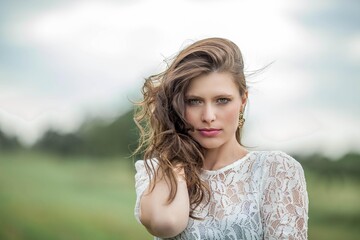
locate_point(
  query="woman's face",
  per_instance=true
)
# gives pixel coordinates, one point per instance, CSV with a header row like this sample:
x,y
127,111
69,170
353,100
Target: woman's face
x,y
213,104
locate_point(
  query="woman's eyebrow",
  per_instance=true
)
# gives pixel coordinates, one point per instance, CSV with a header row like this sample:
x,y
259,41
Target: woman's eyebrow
x,y
193,96
223,95
216,96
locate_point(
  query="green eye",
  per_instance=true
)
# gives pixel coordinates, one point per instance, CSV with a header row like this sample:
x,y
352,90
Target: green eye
x,y
193,101
223,100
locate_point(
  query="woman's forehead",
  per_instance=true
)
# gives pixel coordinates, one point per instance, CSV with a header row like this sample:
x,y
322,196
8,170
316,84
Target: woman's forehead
x,y
215,82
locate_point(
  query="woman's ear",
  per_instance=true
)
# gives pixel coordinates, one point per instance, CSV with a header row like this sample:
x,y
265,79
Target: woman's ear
x,y
244,98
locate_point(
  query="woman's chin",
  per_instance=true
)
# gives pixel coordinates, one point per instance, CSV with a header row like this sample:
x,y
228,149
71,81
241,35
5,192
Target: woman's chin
x,y
210,144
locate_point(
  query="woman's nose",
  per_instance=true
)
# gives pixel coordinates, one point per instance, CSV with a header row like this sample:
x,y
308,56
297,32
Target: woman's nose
x,y
208,114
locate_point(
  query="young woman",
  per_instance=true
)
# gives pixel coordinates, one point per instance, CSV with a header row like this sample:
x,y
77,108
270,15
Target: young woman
x,y
197,181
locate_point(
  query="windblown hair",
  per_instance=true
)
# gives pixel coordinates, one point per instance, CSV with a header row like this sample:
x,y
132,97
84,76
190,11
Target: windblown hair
x,y
160,116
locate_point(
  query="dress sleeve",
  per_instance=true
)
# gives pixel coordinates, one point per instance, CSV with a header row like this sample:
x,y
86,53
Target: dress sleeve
x,y
142,180
285,199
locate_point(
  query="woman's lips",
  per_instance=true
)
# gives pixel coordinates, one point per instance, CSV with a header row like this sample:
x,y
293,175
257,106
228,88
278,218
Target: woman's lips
x,y
209,132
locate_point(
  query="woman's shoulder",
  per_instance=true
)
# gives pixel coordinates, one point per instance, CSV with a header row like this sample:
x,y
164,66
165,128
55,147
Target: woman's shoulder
x,y
280,168
277,158
140,164
143,175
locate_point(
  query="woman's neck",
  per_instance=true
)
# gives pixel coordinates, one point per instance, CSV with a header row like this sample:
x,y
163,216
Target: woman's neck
x,y
224,155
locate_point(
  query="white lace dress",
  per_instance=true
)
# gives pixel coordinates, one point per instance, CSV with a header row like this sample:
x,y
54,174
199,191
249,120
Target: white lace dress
x,y
260,196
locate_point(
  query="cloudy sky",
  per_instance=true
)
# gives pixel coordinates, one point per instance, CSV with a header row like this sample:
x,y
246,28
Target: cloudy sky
x,y
64,61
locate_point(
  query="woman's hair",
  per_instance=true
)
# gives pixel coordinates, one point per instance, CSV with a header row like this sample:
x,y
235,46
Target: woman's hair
x,y
160,116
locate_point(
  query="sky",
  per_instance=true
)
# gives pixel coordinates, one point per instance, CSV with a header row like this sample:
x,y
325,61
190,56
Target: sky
x,y
62,62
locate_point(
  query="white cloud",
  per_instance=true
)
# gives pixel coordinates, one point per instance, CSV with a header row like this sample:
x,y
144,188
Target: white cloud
x,y
101,49
353,48
304,131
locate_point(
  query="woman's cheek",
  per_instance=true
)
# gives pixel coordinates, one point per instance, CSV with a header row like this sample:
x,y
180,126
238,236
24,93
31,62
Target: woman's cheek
x,y
189,116
231,115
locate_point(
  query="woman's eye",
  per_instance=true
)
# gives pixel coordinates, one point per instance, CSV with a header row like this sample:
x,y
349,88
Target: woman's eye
x,y
223,100
193,101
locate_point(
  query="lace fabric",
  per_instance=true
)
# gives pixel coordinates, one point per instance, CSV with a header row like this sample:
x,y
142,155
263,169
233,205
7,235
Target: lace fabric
x,y
260,196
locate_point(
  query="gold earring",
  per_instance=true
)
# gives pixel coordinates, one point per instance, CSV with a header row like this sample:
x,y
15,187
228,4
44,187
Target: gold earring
x,y
241,120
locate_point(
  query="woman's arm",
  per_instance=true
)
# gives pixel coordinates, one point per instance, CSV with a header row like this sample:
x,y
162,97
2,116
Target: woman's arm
x,y
161,218
285,199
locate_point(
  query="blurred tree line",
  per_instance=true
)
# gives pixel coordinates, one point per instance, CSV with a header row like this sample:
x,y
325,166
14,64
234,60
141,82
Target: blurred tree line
x,y
95,137
346,166
99,138
8,143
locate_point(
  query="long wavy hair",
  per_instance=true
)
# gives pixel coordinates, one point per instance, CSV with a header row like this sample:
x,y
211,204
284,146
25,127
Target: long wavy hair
x,y
160,116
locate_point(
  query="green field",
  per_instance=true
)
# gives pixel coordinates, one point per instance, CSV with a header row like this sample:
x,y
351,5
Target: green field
x,y
49,197
46,197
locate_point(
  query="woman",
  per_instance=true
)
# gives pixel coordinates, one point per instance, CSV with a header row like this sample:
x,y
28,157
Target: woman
x,y
197,181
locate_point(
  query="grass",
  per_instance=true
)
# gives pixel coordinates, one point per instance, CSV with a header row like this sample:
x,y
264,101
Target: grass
x,y
47,197
334,210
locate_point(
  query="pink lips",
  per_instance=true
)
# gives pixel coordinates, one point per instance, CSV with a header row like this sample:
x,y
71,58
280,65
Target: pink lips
x,y
209,132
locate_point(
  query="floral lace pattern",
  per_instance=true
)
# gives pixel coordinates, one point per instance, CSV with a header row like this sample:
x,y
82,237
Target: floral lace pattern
x,y
260,196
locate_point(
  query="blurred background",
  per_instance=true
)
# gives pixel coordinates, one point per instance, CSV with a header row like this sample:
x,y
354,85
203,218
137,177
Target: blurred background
x,y
69,71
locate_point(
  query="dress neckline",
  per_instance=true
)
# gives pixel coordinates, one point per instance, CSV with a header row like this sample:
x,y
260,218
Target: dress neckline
x,y
227,167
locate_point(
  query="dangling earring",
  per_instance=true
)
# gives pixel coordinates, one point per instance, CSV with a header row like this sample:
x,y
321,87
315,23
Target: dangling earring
x,y
241,119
